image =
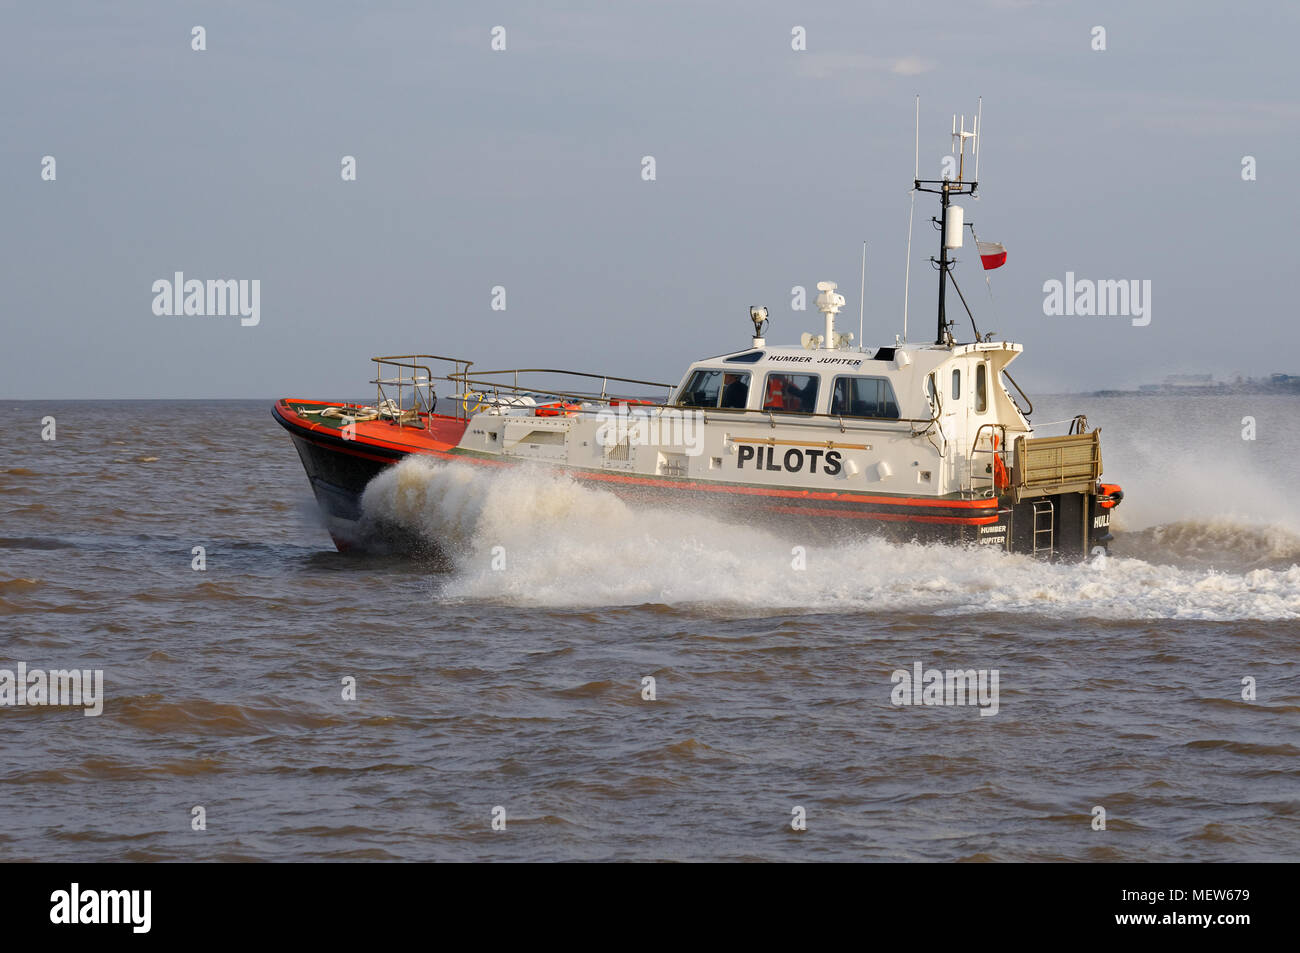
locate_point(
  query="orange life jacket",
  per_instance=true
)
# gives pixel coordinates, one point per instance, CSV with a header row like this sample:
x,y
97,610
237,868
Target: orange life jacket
x,y
1001,479
775,394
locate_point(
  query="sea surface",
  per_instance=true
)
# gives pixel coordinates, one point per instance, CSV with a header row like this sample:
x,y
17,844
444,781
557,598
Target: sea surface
x,y
507,681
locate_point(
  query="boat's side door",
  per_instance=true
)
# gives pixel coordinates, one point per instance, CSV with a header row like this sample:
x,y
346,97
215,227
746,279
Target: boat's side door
x,y
952,378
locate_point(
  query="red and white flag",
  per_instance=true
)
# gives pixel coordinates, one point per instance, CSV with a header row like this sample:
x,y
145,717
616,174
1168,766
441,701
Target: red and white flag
x,y
992,254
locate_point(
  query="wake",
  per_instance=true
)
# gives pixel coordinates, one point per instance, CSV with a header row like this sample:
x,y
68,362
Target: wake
x,y
532,536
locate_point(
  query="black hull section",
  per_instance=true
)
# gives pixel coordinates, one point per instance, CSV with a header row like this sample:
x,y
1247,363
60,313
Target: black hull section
x,y
338,479
1064,526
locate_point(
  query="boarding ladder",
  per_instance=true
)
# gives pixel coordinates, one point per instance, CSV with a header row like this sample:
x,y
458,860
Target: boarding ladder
x,y
1044,509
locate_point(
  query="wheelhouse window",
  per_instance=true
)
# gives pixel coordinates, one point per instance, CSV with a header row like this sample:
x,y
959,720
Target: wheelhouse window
x,y
713,388
956,383
981,388
735,391
864,397
791,393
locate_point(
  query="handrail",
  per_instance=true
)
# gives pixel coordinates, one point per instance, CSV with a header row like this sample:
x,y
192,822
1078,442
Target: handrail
x,y
478,379
423,397
407,360
553,370
1024,413
975,448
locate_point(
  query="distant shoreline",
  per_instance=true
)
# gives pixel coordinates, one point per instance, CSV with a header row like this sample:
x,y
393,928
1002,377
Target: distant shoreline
x,y
1225,390
1290,388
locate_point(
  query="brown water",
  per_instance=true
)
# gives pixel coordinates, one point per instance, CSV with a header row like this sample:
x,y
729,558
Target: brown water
x,y
1120,681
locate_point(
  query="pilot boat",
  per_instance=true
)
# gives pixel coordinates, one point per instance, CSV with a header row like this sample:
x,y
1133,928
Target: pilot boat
x,y
918,441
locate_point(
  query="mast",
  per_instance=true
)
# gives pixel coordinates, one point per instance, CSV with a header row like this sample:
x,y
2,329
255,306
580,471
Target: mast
x,y
943,262
949,222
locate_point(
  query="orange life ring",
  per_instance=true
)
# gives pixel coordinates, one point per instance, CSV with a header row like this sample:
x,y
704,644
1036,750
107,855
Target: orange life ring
x,y
556,410
1109,495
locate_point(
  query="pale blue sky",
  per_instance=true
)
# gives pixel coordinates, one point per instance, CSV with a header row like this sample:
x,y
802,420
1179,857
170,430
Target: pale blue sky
x,y
479,168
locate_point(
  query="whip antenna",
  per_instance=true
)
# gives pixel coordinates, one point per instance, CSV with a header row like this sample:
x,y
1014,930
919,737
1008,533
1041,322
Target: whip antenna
x,y
916,175
862,295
